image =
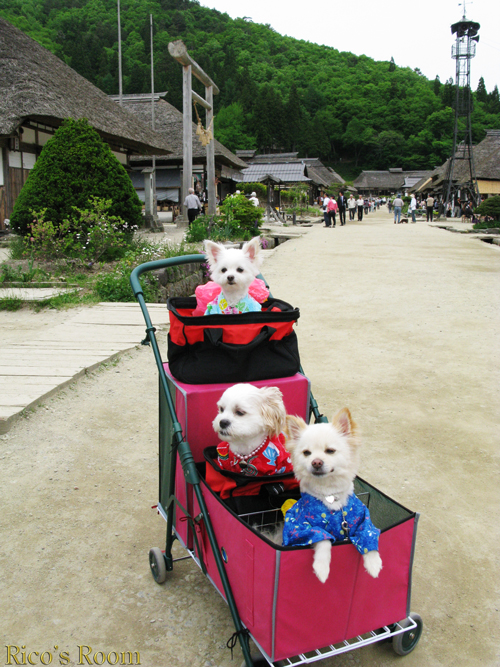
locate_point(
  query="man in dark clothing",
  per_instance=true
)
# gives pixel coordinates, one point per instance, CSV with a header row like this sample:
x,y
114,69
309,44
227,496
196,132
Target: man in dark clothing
x,y
342,204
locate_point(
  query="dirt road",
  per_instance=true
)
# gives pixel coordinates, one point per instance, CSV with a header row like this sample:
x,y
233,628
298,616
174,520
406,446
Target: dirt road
x,y
398,322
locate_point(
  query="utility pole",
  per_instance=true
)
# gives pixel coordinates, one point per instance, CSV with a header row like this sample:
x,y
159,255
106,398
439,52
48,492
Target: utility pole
x,y
120,90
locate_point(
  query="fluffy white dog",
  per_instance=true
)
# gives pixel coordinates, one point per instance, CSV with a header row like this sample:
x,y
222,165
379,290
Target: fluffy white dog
x,y
251,421
325,461
234,269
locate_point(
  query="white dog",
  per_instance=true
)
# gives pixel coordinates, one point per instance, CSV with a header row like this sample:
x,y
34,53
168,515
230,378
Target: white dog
x,y
325,461
250,422
234,270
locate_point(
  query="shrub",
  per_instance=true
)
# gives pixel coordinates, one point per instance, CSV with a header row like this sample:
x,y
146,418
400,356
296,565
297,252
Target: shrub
x,y
240,209
74,166
259,188
490,208
89,235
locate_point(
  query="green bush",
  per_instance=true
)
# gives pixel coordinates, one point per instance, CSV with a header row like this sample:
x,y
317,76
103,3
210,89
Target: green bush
x,y
259,188
240,209
490,208
74,166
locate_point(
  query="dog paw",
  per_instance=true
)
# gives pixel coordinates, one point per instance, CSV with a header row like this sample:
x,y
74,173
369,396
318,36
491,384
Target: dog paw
x,y
372,563
322,557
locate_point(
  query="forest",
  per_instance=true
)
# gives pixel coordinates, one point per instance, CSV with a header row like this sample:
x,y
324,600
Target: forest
x,y
276,93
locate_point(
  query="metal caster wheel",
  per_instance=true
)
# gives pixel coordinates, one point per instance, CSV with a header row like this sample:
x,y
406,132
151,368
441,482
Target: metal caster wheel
x,y
157,565
405,642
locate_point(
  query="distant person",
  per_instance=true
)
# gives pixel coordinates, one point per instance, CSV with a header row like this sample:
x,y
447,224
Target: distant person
x,y
351,205
326,215
193,205
254,199
360,204
342,204
429,204
332,208
366,206
398,205
413,208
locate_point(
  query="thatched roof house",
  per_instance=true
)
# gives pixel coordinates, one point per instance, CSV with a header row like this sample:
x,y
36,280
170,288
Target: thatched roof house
x,y
486,164
387,182
169,123
37,92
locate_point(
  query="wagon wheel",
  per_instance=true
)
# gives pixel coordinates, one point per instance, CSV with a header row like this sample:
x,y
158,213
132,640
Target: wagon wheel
x,y
157,565
405,642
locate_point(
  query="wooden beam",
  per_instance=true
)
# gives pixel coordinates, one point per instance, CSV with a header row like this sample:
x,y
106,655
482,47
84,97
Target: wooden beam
x,y
178,51
199,100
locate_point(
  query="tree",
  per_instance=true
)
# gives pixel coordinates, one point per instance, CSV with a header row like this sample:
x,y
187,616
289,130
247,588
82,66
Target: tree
x,y
481,94
392,65
74,166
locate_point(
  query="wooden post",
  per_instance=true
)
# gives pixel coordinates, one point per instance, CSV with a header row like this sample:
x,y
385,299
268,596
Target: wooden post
x,y
178,51
187,164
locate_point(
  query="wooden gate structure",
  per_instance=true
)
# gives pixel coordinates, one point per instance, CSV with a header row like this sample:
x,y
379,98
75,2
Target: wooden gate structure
x,y
178,51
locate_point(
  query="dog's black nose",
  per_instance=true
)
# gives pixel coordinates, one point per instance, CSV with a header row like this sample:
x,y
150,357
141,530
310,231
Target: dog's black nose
x,y
224,424
230,279
317,464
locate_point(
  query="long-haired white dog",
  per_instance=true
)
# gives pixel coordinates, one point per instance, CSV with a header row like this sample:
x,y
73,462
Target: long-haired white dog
x,y
325,461
234,269
251,421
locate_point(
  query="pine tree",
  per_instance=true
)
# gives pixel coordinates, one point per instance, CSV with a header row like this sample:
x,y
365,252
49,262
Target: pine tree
x,y
481,94
74,166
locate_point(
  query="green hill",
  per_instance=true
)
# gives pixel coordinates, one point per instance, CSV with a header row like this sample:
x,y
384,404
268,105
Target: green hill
x,y
277,93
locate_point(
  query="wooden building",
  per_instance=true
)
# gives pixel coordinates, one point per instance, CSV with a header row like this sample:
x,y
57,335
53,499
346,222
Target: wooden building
x,y
37,92
388,182
486,164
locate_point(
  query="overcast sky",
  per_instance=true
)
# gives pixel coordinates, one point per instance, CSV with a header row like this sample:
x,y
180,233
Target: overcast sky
x,y
414,34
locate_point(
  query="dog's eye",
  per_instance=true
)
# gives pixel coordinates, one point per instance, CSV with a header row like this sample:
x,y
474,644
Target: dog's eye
x,y
306,452
240,413
223,270
330,451
239,269
221,409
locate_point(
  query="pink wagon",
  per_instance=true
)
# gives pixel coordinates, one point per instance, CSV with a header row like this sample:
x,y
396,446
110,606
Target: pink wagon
x,y
271,591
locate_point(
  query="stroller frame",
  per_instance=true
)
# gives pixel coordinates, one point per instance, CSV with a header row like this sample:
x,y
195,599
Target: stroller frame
x,y
405,634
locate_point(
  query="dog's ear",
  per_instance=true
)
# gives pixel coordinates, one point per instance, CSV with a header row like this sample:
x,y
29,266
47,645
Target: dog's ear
x,y
273,410
252,250
345,424
212,251
293,429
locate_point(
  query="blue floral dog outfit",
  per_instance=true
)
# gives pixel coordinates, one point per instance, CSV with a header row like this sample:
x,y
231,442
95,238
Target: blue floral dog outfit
x,y
220,306
309,521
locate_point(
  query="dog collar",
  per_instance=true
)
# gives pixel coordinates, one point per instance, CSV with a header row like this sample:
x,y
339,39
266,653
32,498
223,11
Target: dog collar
x,y
255,451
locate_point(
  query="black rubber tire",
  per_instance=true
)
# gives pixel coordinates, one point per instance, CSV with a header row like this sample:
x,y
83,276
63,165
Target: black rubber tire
x,y
405,642
157,565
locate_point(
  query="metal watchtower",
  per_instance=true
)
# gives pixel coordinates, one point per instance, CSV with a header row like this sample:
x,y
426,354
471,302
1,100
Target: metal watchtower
x,y
462,181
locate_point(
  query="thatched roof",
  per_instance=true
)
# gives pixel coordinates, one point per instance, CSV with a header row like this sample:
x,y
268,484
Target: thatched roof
x,y
169,123
486,165
36,85
391,179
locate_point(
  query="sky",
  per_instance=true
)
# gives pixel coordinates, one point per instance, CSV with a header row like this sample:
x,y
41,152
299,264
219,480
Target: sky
x,y
414,34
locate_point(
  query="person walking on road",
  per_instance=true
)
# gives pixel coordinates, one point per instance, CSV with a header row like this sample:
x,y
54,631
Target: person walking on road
x,y
193,205
413,207
429,207
398,205
360,204
332,208
342,204
351,205
326,215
